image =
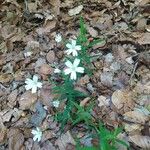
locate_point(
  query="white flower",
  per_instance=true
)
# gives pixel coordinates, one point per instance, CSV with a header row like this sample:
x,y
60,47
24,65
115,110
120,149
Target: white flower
x,y
58,38
73,68
56,103
33,84
57,70
73,48
37,134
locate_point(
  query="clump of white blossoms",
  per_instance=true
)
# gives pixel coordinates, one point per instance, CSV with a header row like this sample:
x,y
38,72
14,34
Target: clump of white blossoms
x,y
72,68
58,38
37,134
73,48
56,103
33,84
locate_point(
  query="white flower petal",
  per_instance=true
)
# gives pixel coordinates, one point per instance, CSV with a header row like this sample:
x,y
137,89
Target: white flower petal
x,y
28,87
34,138
33,131
38,129
78,47
34,89
68,52
57,70
80,69
76,62
68,45
68,64
73,75
67,71
74,53
28,80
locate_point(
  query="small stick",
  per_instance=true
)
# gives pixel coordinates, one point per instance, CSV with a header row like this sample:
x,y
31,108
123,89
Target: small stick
x,y
133,72
26,5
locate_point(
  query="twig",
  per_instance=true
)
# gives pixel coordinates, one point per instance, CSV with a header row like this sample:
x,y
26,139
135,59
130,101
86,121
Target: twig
x,y
133,72
26,5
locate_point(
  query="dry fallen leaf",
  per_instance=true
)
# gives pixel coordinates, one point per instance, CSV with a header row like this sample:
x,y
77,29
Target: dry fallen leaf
x,y
12,98
123,137
10,114
47,146
136,116
141,24
5,78
132,127
107,78
75,10
45,69
46,96
141,141
103,101
121,98
56,6
47,135
64,139
83,80
141,2
27,100
92,31
16,139
144,39
50,57
32,6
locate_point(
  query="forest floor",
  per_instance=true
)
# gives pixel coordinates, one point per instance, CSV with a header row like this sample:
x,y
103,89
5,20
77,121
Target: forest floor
x,y
119,85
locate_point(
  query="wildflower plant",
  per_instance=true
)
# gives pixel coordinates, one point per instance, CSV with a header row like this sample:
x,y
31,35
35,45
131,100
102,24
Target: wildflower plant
x,y
78,62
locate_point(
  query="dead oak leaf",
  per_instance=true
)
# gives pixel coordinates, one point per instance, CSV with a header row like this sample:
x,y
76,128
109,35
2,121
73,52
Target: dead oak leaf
x,y
121,98
144,39
6,78
136,116
132,127
16,139
64,139
141,141
27,100
56,6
